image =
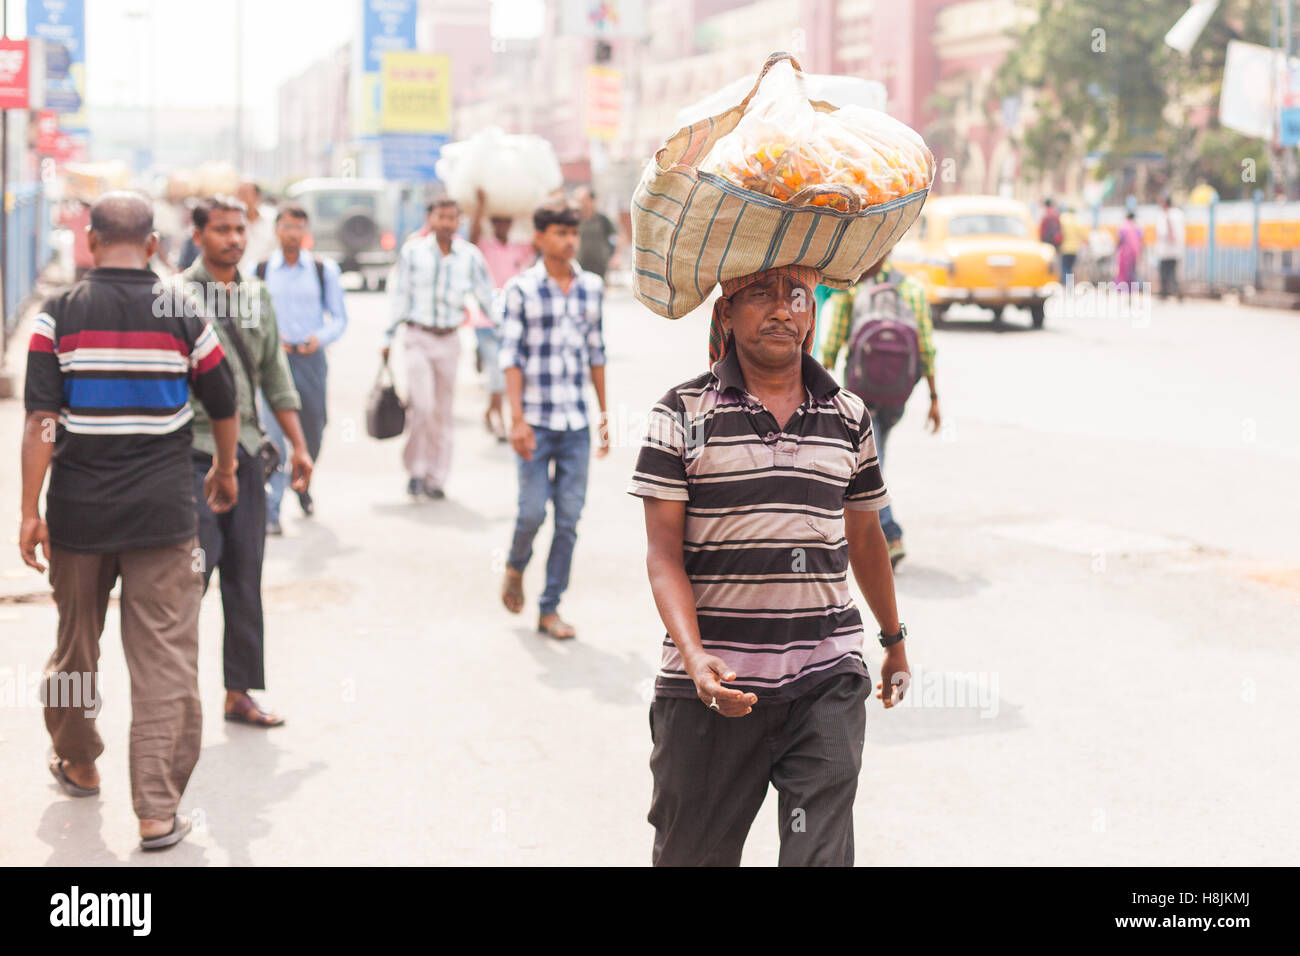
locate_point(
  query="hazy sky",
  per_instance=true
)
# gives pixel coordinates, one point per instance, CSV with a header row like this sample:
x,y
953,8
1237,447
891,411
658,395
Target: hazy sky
x,y
182,52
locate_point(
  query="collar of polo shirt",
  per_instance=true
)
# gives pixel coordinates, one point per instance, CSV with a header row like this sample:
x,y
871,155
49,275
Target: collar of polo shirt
x,y
727,373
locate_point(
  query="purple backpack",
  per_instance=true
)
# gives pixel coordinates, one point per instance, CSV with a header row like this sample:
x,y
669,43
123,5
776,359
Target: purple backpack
x,y
884,362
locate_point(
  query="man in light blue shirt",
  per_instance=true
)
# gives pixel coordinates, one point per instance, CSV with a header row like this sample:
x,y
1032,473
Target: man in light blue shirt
x,y
308,300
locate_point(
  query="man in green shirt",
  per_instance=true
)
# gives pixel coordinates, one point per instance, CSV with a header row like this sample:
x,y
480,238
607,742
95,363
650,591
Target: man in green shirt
x,y
240,310
597,236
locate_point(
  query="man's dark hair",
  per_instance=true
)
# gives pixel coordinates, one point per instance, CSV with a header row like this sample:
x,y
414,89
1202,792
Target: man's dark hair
x,y
206,206
442,203
122,216
554,214
1049,202
293,211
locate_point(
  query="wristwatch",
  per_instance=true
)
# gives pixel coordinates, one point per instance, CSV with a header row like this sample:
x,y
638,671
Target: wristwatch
x,y
893,638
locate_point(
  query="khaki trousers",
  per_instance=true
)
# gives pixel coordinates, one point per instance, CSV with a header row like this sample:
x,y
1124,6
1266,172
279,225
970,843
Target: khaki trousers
x,y
431,385
160,635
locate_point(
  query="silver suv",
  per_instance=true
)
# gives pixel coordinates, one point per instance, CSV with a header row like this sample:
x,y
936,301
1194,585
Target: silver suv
x,y
351,222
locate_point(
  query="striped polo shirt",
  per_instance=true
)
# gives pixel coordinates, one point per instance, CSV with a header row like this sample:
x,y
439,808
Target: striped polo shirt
x,y
764,543
116,363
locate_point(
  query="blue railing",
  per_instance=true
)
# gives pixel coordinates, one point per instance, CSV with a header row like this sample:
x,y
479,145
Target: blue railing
x,y
28,248
1215,266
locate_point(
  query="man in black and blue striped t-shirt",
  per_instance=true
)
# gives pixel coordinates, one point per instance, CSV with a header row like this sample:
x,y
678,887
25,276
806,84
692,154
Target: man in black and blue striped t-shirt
x,y
110,369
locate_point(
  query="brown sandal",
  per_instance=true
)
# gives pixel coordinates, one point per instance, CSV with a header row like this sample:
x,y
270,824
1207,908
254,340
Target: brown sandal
x,y
512,591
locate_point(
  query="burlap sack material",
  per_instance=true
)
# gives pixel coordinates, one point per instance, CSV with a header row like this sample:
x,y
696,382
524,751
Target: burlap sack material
x,y
692,230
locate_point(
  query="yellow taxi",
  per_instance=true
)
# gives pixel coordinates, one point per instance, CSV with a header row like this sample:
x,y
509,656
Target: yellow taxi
x,y
982,250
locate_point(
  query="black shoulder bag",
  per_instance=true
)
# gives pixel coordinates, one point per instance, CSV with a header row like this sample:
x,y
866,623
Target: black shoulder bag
x,y
266,451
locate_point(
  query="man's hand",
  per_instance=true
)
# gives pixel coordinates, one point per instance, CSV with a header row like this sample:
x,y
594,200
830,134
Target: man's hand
x,y
310,346
220,489
935,420
894,675
523,440
383,353
708,673
301,464
32,532
602,437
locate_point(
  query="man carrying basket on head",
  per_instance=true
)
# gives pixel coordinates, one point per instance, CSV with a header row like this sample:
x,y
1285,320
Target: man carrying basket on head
x,y
761,485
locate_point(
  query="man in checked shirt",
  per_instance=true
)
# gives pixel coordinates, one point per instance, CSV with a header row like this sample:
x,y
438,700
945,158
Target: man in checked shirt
x,y
550,337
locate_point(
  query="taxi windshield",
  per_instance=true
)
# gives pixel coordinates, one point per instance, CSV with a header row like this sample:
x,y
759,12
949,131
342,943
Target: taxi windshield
x,y
986,224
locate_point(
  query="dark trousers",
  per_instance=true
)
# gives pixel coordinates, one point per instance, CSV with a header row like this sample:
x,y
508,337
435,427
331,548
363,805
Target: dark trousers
x,y
1169,279
711,775
883,420
309,376
1067,264
235,542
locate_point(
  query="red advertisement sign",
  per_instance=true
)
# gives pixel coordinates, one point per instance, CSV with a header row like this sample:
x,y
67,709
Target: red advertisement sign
x,y
47,131
13,74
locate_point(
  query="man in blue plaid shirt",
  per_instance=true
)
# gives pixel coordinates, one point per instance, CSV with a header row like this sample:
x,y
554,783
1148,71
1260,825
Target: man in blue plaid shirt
x,y
550,337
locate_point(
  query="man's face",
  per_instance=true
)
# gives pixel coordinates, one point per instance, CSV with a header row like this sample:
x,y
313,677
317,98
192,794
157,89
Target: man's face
x,y
290,231
557,241
501,227
443,222
247,195
586,205
770,320
223,239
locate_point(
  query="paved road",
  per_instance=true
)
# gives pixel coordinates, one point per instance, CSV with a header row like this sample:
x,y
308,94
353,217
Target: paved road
x,y
1102,591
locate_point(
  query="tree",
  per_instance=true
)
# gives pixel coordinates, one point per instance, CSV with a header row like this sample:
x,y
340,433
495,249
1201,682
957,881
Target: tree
x,y
1105,83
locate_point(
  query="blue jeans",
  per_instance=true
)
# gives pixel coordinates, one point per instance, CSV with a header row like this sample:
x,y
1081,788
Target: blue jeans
x,y
309,376
566,487
489,348
882,422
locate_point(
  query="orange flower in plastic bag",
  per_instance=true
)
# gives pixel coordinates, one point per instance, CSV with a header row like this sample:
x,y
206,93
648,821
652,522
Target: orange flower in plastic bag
x,y
782,147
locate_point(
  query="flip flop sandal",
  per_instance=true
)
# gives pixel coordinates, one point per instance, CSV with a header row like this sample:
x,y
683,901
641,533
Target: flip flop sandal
x,y
551,630
70,788
240,715
178,832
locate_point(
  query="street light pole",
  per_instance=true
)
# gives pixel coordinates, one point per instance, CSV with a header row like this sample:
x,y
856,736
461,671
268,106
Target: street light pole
x,y
239,88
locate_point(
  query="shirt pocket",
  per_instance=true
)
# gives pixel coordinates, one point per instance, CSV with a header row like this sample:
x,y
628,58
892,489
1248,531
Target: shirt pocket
x,y
579,320
831,471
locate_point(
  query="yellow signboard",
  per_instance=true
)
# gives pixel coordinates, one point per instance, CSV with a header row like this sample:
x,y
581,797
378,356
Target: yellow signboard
x,y
416,93
604,102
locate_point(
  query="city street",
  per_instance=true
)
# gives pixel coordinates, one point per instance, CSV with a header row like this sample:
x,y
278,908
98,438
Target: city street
x,y
1101,592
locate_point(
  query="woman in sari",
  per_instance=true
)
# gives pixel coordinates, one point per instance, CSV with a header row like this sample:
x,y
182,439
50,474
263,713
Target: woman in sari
x,y
1127,251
